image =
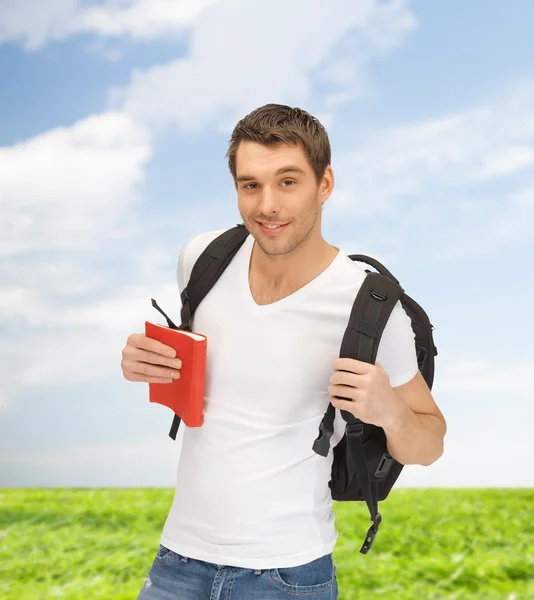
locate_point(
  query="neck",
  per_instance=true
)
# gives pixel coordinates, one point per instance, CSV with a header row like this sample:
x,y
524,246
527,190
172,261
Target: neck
x,y
300,265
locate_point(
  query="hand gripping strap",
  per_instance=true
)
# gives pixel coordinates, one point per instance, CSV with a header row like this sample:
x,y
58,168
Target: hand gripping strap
x,y
370,312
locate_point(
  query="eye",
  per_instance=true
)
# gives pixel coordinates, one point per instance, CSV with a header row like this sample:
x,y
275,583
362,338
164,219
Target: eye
x,y
247,186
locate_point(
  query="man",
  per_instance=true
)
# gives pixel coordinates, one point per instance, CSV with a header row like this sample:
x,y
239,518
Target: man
x,y
252,514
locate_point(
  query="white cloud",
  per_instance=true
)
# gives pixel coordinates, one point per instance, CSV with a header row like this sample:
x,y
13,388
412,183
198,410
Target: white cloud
x,y
488,460
377,243
141,19
69,187
517,218
4,402
147,462
79,338
94,454
480,144
54,342
487,230
258,57
489,414
66,199
481,377
434,179
505,161
33,23
74,189
76,314
69,200
487,437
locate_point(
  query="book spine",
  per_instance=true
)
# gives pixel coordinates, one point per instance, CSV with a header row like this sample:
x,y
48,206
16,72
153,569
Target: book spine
x,y
197,385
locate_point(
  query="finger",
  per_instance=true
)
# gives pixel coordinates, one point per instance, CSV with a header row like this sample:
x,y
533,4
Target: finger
x,y
342,391
344,405
150,370
157,359
350,364
349,379
140,340
149,379
133,354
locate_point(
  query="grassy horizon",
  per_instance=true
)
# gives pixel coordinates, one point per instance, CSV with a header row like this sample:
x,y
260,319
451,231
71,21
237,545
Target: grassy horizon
x,y
433,543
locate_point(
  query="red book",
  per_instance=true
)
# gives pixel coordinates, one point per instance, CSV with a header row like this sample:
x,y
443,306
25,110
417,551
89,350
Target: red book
x,y
185,396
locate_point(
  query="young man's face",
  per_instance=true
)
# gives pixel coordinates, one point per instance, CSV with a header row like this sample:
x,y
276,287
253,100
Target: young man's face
x,y
267,196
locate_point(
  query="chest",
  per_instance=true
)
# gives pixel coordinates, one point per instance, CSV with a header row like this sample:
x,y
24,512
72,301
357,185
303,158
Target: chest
x,y
271,363
264,292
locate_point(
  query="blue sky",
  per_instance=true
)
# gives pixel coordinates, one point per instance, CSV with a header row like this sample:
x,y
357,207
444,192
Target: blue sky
x,y
114,124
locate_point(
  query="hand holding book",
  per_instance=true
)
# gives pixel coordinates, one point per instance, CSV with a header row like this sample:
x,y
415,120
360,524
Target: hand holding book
x,y
173,362
185,395
146,359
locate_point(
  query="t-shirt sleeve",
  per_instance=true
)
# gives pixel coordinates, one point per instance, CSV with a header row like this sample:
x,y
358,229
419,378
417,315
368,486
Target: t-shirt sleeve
x,y
189,252
396,351
180,275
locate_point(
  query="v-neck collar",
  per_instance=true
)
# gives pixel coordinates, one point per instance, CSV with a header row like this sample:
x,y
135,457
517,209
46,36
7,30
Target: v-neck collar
x,y
246,255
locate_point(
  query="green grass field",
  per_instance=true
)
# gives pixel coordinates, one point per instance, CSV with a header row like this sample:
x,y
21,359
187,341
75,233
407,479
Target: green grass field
x,y
432,544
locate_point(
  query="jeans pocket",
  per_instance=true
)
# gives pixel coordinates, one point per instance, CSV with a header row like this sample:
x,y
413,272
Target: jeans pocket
x,y
313,578
164,555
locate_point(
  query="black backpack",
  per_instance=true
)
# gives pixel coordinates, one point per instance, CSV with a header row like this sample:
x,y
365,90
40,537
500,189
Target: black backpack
x,y
362,468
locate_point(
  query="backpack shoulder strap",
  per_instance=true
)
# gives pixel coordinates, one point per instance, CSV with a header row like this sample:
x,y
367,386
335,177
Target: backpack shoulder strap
x,y
374,263
370,312
209,266
421,325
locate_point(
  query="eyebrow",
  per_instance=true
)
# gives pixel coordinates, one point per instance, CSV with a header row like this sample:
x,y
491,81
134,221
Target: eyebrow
x,y
286,169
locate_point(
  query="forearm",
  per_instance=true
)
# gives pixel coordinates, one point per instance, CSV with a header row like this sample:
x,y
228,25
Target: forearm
x,y
415,439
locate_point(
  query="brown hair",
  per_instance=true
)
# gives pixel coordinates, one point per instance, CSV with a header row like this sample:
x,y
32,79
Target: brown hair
x,y
275,124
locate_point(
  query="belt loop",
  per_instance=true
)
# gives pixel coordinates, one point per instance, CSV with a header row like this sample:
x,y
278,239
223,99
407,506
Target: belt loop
x,y
257,572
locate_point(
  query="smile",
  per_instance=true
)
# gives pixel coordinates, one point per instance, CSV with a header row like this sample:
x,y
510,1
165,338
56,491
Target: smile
x,y
272,229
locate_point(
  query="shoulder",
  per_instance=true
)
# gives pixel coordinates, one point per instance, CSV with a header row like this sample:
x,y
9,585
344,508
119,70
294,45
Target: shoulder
x,y
396,349
190,251
351,270
195,245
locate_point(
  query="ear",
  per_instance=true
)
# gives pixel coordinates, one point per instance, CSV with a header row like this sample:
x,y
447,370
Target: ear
x,y
327,183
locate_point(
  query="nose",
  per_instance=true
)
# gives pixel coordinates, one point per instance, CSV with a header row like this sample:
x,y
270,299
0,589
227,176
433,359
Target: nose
x,y
269,202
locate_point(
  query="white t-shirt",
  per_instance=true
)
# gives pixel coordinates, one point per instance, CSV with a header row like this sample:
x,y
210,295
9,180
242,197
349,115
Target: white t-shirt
x,y
251,492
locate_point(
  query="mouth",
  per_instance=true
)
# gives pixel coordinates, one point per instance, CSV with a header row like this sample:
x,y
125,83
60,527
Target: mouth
x,y
272,228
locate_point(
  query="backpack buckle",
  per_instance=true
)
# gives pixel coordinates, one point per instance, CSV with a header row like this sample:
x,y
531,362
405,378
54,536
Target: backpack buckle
x,y
354,429
185,313
371,534
321,445
385,463
378,295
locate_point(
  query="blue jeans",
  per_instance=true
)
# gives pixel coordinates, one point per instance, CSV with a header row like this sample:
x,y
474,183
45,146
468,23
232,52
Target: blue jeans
x,y
176,577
